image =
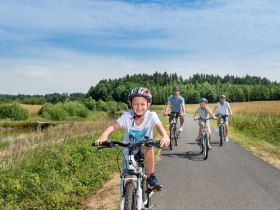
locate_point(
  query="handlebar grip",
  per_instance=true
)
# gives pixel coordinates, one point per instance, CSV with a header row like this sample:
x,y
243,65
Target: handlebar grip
x,y
152,143
107,143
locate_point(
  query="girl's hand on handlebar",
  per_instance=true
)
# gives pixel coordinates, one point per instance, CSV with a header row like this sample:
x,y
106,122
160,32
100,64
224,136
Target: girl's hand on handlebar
x,y
164,142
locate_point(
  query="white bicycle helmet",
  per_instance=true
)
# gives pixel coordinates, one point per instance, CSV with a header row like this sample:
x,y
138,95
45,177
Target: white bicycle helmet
x,y
222,96
203,100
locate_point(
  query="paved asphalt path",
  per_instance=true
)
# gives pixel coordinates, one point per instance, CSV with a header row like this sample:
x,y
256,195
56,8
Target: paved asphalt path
x,y
231,177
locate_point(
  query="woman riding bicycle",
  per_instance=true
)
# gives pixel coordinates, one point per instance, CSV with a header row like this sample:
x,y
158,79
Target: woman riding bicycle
x,y
203,111
140,122
224,110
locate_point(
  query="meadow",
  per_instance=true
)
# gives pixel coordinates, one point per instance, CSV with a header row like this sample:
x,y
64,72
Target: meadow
x,y
57,168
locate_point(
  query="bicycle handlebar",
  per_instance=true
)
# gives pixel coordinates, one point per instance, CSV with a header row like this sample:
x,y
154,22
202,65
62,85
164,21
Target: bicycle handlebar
x,y
112,143
174,114
210,118
220,115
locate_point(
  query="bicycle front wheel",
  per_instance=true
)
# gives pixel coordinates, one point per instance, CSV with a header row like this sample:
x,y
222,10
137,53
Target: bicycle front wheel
x,y
205,147
175,136
221,134
129,197
172,137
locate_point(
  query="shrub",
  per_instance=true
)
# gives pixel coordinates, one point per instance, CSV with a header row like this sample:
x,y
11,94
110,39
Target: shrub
x,y
102,106
13,111
61,111
112,106
122,106
90,104
76,109
53,112
82,112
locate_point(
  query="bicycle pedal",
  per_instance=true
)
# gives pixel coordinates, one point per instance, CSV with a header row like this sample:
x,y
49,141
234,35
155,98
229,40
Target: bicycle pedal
x,y
150,207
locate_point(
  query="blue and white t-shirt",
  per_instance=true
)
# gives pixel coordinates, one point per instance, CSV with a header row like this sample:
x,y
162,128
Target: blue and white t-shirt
x,y
138,131
176,103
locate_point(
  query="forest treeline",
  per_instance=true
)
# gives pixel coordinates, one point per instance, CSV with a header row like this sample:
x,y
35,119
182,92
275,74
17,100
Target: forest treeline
x,y
237,89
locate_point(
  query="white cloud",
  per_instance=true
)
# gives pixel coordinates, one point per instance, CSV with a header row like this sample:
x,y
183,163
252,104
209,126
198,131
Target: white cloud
x,y
67,46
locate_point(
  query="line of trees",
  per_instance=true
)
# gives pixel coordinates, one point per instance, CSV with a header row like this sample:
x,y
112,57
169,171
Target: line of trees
x,y
42,99
237,89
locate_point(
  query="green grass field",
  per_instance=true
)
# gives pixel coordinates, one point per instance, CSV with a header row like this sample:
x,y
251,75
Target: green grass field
x,y
57,168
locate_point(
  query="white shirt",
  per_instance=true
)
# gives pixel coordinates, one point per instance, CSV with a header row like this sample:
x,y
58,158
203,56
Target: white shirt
x,y
223,109
138,131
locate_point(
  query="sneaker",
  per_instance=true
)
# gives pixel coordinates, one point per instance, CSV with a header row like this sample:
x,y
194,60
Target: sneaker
x,y
180,129
226,139
153,183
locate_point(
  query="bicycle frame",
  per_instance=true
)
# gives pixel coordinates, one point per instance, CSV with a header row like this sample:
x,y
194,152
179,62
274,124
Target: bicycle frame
x,y
222,127
204,138
135,176
174,129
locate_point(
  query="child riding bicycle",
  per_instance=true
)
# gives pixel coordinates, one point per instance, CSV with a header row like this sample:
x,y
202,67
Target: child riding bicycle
x,y
140,122
224,110
203,112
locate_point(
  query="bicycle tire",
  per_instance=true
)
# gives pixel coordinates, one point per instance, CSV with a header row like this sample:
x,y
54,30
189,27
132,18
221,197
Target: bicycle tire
x,y
145,192
148,202
175,136
129,196
221,135
171,145
205,147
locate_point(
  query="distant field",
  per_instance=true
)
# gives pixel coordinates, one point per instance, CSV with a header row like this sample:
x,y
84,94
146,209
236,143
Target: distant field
x,y
264,107
32,108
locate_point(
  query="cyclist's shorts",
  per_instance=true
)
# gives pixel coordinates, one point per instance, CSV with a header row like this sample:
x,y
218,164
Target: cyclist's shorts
x,y
202,121
224,117
138,155
171,117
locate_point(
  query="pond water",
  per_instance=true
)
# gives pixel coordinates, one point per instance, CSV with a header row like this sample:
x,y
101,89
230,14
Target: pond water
x,y
11,136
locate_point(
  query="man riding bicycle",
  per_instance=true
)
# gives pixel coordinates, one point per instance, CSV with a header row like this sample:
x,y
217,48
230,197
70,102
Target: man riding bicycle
x,y
224,110
177,104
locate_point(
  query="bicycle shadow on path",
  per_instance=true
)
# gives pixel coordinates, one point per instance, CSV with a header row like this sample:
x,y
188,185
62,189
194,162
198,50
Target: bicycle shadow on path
x,y
191,155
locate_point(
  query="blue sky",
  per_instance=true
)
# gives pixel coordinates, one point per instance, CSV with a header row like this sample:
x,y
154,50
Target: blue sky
x,y
70,45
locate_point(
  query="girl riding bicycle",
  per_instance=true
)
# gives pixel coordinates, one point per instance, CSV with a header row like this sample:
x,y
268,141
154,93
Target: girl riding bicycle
x,y
224,110
139,123
203,111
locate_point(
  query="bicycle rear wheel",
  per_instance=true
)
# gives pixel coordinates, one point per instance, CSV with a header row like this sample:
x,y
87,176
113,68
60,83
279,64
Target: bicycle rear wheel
x,y
129,197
